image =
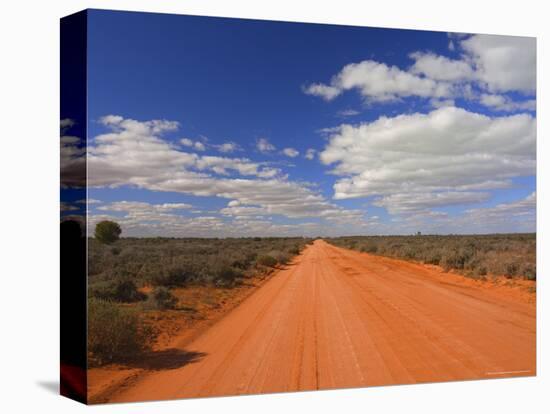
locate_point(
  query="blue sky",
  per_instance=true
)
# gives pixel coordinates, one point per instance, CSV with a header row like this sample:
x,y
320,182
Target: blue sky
x,y
225,127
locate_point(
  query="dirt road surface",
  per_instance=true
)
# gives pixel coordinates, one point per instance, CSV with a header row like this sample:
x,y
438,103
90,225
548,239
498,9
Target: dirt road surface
x,y
335,318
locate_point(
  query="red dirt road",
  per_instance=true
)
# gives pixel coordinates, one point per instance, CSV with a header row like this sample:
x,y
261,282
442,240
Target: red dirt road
x,y
337,318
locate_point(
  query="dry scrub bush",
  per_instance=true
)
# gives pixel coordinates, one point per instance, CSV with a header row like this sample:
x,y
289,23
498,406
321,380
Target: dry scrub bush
x,y
183,262
114,332
267,260
161,299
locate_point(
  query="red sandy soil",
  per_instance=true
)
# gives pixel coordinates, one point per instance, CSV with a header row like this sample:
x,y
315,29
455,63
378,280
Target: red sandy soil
x,y
336,318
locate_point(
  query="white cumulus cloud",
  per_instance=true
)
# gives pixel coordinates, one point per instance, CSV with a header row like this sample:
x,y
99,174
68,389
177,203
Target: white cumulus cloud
x,y
503,63
440,67
379,82
448,149
495,64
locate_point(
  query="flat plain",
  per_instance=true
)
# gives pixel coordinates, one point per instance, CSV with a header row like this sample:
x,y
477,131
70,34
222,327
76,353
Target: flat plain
x,y
336,318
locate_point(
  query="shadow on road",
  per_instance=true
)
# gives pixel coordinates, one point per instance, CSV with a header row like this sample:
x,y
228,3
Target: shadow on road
x,y
167,359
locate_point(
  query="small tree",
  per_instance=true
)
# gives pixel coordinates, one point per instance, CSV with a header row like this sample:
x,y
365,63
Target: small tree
x,y
107,232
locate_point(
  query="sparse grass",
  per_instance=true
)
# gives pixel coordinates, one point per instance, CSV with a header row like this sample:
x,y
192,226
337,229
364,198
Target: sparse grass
x,y
510,255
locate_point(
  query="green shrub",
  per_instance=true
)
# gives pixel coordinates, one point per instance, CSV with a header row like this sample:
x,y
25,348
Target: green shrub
x,y
294,250
225,275
114,332
107,232
267,260
369,248
281,257
174,275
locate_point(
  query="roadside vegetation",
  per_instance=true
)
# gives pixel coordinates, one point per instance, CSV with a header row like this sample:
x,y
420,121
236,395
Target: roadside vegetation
x,y
136,286
477,256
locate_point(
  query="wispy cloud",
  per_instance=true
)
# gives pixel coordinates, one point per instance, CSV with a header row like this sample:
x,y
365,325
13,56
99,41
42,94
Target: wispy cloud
x,y
345,113
196,145
290,152
263,145
310,153
227,147
506,104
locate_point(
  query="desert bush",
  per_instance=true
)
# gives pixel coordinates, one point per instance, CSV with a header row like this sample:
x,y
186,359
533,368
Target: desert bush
x,y
161,298
455,259
251,257
174,275
114,332
281,257
369,248
225,275
511,268
432,257
294,250
481,271
408,252
267,260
